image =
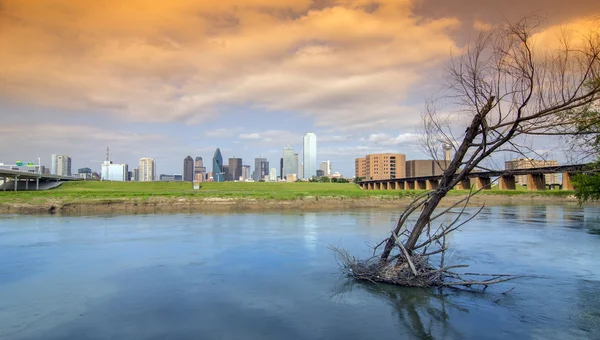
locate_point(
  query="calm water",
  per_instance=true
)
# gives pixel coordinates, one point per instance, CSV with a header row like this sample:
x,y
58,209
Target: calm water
x,y
271,276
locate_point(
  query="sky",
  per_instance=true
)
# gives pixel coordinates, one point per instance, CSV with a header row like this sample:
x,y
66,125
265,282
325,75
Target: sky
x,y
167,79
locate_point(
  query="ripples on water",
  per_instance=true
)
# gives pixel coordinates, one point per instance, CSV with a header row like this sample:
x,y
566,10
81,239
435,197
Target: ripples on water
x,y
262,276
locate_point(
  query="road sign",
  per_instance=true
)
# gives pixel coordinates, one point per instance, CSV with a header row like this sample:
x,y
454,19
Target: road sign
x,y
30,164
19,163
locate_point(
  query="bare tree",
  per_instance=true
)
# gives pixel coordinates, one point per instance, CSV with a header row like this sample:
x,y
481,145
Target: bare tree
x,y
502,87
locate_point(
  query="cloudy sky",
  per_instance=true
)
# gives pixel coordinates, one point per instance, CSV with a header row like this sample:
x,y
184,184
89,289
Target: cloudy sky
x,y
165,79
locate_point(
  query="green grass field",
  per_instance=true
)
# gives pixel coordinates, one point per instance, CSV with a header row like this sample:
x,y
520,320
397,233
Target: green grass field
x,y
95,190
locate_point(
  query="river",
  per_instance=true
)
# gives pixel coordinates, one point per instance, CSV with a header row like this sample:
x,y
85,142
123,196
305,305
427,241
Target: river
x,y
272,276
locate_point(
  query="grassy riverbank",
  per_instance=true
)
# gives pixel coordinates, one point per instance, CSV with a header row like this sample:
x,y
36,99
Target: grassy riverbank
x,y
94,190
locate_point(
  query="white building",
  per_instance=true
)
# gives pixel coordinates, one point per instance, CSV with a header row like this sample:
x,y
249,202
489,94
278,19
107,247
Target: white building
x,y
114,172
147,170
61,165
273,175
326,168
310,155
246,172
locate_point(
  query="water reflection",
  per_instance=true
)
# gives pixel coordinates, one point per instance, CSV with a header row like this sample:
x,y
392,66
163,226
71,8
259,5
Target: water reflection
x,y
422,313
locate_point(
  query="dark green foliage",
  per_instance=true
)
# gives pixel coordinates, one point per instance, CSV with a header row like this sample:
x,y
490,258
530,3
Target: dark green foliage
x,y
587,185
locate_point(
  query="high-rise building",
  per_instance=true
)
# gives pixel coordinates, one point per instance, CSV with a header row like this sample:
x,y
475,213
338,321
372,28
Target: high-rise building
x,y
261,168
281,168
528,163
61,165
188,169
199,170
290,165
135,176
273,175
147,170
326,168
226,173
235,169
381,166
217,170
114,172
310,155
246,172
360,168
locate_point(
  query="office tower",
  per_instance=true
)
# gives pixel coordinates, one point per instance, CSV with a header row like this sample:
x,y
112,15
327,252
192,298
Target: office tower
x,y
528,163
188,169
114,172
135,175
246,172
226,173
297,164
290,166
199,170
261,169
301,170
273,175
320,173
217,170
147,170
61,165
281,168
326,168
381,166
235,169
310,155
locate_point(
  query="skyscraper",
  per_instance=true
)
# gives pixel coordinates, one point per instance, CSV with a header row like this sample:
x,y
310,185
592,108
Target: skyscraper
x,y
199,170
310,155
114,172
281,168
246,172
61,165
326,168
261,168
147,170
218,167
290,165
235,169
188,169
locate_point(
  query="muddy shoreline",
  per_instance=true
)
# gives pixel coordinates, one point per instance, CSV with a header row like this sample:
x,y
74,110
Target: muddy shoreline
x,y
191,205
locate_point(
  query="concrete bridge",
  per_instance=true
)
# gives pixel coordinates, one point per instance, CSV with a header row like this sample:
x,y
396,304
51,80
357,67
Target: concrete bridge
x,y
481,180
15,180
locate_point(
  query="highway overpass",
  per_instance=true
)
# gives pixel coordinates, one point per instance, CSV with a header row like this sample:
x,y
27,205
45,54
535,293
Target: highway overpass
x,y
15,180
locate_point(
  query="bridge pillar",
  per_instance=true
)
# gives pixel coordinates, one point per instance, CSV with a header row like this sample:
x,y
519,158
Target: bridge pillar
x,y
400,185
507,182
482,183
465,184
4,183
421,185
27,184
536,182
388,185
567,181
409,185
16,182
377,186
37,183
432,184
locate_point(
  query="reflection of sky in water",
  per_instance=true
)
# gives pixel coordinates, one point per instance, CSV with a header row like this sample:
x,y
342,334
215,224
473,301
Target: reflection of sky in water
x,y
271,276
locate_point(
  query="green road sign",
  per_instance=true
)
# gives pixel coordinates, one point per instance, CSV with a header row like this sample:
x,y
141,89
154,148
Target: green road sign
x,y
30,164
19,163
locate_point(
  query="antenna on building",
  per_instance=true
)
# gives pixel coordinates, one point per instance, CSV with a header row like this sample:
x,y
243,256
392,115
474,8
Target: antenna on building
x,y
107,156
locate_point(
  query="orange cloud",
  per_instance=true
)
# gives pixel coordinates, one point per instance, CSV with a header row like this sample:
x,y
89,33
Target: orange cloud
x,y
155,61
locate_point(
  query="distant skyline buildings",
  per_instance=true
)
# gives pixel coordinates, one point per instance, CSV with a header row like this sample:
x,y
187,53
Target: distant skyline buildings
x,y
147,169
261,168
326,168
61,165
235,169
309,158
188,169
114,172
290,162
218,169
199,170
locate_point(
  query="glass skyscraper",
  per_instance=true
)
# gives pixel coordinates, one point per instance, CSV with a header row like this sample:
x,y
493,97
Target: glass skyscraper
x,y
310,155
290,163
218,167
